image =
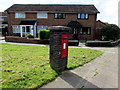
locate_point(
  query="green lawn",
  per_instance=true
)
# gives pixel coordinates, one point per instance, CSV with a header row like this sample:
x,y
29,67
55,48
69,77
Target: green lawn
x,y
28,66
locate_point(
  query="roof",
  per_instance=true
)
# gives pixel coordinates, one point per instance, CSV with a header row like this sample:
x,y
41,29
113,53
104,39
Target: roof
x,y
100,24
27,22
99,21
70,8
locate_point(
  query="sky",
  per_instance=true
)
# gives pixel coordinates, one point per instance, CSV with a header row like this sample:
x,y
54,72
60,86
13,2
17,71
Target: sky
x,y
108,8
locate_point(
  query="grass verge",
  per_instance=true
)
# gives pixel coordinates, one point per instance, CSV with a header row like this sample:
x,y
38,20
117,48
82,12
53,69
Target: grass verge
x,y
28,66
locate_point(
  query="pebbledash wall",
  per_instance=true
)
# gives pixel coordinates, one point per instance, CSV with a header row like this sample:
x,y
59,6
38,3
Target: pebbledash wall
x,y
51,21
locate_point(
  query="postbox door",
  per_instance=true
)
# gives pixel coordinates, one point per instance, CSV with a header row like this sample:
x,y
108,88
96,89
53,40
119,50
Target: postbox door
x,y
64,48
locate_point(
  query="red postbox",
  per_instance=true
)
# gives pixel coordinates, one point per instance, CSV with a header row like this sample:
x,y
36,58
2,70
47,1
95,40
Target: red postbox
x,y
64,47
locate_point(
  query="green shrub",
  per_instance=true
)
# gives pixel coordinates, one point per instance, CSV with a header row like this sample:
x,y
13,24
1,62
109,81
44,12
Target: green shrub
x,y
111,32
43,34
29,35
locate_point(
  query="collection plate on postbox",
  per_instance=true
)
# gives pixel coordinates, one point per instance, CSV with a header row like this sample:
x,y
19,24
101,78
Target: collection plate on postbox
x,y
64,47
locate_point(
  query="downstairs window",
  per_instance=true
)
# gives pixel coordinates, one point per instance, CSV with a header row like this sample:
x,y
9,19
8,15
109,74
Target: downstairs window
x,y
85,31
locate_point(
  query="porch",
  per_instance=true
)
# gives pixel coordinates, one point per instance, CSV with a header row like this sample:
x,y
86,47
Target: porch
x,y
27,26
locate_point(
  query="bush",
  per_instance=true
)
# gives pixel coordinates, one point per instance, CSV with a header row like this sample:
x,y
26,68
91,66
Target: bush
x,y
111,32
30,36
43,34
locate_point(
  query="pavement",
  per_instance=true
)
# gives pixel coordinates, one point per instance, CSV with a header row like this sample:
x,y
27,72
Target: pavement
x,y
99,73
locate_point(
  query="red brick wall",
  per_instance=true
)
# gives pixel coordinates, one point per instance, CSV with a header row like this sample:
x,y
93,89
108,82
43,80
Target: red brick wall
x,y
51,21
99,25
21,39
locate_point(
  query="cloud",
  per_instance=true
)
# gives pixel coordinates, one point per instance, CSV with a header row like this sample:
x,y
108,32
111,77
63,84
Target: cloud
x,y
4,4
109,11
2,7
110,7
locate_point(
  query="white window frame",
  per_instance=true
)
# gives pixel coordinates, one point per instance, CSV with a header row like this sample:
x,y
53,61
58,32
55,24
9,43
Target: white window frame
x,y
25,33
86,16
83,16
42,15
79,15
59,16
16,28
20,15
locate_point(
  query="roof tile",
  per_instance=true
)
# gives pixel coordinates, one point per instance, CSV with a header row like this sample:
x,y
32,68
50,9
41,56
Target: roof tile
x,y
54,8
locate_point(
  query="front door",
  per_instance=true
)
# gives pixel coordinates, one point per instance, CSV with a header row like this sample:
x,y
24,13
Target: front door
x,y
26,29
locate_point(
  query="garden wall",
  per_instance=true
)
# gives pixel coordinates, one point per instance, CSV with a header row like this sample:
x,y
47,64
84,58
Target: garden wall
x,y
103,43
25,40
34,41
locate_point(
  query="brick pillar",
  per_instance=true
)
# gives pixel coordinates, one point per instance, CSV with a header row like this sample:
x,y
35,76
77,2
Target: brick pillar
x,y
56,62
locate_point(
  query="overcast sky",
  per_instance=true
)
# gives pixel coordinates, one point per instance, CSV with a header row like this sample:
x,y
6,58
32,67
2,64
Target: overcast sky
x,y
108,8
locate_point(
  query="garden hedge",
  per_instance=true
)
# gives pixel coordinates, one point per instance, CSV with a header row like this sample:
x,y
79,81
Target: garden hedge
x,y
43,34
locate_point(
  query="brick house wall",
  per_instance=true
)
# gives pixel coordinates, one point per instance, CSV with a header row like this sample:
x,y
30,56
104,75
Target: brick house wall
x,y
71,14
3,23
51,21
4,16
99,25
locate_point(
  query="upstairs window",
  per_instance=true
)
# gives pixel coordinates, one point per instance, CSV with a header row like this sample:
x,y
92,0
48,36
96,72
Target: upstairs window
x,y
42,15
59,15
19,15
82,16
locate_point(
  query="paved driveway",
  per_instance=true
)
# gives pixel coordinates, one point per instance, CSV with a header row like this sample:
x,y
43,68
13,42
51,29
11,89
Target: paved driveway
x,y
99,73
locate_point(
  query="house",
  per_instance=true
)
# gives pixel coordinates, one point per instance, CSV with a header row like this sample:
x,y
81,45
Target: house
x,y
3,23
29,18
99,26
3,19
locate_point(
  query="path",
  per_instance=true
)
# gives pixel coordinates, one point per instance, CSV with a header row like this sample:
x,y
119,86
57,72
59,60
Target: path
x,y
99,73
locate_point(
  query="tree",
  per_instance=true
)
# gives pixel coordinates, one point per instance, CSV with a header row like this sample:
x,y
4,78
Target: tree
x,y
111,32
